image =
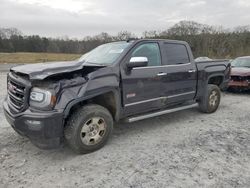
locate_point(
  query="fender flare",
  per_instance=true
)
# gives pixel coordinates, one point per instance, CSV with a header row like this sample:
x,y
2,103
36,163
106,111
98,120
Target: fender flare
x,y
201,92
216,75
117,96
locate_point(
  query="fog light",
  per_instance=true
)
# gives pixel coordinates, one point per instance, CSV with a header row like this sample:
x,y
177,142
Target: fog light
x,y
34,125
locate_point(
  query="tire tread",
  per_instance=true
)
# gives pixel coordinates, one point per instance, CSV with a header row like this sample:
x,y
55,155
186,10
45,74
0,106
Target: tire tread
x,y
75,120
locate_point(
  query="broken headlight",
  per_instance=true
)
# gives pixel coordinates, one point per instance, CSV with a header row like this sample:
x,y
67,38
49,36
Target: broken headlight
x,y
42,99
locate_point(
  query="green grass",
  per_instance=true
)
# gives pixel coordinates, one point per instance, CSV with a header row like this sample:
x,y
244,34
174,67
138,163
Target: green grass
x,y
23,57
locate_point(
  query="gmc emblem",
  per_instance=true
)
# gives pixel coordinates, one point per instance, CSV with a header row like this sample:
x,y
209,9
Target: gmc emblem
x,y
11,88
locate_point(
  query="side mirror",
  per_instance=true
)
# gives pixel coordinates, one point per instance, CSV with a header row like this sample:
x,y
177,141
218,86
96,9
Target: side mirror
x,y
137,62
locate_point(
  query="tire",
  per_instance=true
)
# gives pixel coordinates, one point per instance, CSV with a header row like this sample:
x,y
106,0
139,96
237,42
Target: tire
x,y
88,128
210,102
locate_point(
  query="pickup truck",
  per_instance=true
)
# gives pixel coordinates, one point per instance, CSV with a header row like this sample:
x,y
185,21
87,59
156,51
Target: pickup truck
x,y
77,102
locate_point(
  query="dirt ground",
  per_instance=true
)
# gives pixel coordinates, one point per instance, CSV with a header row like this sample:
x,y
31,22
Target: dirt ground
x,y
183,149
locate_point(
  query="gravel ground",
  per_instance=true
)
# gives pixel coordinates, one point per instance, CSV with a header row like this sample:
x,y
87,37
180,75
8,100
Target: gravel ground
x,y
183,149
4,67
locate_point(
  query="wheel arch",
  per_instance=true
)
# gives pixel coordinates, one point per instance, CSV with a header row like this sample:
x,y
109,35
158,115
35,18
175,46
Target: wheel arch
x,y
216,79
109,99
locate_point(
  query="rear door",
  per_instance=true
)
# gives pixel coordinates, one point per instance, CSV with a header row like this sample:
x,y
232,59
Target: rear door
x,y
180,83
141,86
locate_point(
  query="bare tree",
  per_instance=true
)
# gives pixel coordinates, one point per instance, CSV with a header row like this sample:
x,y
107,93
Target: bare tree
x,y
6,33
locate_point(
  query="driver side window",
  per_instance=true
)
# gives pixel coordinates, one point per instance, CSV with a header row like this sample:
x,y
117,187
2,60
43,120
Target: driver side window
x,y
149,50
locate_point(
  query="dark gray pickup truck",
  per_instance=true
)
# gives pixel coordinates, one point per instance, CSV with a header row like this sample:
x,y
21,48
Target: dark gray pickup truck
x,y
77,102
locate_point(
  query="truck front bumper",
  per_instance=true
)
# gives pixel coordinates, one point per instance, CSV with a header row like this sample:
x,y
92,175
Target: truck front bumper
x,y
45,129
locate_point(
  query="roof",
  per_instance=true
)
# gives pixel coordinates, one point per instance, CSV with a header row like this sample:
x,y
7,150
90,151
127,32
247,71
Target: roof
x,y
244,57
161,40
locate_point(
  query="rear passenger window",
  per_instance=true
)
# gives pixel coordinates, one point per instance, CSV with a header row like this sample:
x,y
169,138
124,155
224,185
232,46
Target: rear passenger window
x,y
176,54
149,50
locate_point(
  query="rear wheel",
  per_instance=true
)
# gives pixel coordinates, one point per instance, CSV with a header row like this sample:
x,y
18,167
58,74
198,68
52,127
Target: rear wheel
x,y
210,102
89,128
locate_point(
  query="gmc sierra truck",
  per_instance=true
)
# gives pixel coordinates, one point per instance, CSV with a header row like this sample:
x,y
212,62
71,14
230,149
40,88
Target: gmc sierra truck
x,y
77,102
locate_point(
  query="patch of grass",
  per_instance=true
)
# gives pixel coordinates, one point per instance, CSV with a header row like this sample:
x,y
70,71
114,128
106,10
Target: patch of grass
x,y
23,57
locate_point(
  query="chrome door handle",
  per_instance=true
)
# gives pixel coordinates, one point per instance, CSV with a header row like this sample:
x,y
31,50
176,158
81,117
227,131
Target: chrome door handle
x,y
162,74
191,70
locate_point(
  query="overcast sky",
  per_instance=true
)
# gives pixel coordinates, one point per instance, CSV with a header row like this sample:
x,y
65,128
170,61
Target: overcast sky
x,y
79,18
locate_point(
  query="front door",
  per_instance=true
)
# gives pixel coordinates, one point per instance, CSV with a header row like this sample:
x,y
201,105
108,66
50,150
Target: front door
x,y
141,86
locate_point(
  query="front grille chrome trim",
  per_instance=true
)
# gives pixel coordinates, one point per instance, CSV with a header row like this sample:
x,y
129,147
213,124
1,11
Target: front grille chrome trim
x,y
18,92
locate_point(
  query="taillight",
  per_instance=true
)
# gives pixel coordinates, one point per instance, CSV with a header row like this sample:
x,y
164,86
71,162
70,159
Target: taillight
x,y
228,71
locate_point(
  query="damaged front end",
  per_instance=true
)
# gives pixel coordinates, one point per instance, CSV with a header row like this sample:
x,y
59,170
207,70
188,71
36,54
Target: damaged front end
x,y
239,83
36,101
50,84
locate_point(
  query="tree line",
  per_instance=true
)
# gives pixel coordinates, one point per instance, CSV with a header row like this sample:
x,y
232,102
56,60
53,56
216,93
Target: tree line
x,y
205,40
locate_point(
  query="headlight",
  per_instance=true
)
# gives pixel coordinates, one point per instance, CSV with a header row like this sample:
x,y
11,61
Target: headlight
x,y
42,99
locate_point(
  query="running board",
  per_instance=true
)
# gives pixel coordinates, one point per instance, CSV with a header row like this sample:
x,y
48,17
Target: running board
x,y
141,117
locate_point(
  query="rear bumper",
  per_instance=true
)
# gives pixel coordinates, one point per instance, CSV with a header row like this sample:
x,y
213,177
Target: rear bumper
x,y
224,85
45,130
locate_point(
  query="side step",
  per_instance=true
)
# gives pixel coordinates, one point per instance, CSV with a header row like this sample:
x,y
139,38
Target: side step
x,y
141,117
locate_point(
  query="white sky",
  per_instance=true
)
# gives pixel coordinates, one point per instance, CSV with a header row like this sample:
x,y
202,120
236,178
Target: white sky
x,y
79,18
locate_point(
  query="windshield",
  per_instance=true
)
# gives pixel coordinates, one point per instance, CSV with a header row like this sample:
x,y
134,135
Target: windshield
x,y
105,54
241,62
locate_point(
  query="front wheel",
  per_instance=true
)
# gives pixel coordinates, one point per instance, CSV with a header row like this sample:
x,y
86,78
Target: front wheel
x,y
210,102
88,129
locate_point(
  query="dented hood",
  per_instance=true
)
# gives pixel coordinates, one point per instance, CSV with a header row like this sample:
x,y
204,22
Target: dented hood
x,y
40,71
240,71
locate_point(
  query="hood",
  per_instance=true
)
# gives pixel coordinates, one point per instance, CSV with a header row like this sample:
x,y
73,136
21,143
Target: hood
x,y
240,71
40,71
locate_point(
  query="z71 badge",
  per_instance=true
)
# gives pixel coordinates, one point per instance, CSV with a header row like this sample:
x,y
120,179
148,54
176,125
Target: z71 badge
x,y
130,95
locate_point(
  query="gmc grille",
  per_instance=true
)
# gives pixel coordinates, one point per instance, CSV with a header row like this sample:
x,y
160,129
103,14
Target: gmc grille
x,y
17,93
